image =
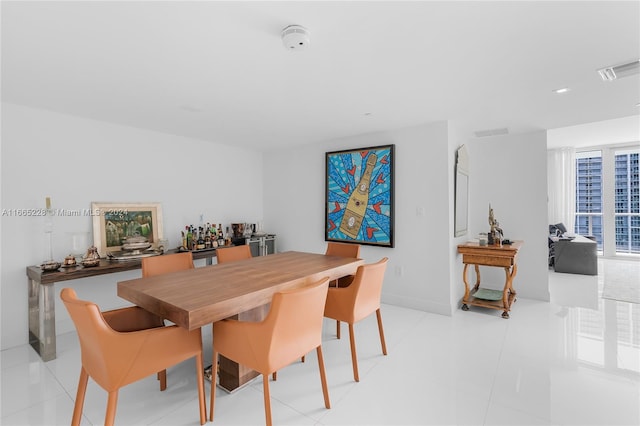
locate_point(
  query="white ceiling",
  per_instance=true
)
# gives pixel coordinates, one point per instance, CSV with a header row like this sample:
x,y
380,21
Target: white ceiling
x,y
218,71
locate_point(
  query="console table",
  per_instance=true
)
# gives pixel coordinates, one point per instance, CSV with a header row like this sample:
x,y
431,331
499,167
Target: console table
x,y
502,256
42,313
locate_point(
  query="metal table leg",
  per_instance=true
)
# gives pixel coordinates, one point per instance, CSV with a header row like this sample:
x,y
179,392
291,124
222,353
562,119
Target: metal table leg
x,y
42,319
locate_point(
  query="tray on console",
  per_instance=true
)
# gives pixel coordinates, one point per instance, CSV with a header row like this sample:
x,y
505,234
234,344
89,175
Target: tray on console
x,y
126,255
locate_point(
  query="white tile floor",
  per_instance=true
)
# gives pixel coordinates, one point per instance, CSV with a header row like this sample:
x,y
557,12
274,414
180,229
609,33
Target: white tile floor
x,y
574,361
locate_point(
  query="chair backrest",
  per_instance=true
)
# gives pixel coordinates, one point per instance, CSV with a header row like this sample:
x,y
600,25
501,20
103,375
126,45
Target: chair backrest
x,y
103,355
364,292
157,265
343,249
295,318
233,254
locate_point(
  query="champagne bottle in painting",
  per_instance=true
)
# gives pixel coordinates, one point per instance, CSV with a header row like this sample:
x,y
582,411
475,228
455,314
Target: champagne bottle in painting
x,y
358,200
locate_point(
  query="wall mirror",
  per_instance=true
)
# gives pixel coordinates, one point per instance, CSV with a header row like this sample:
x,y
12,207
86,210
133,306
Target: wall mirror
x,y
462,192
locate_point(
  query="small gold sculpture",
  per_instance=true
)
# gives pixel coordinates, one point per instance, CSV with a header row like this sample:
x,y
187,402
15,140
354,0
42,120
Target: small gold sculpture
x,y
495,233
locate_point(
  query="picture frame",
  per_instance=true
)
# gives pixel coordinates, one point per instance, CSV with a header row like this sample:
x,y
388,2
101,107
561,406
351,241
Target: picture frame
x,y
114,221
359,196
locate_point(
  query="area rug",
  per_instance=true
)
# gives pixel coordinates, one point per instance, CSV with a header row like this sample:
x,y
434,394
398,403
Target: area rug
x,y
621,281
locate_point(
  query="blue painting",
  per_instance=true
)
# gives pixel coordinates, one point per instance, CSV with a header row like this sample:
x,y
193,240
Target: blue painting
x,y
359,196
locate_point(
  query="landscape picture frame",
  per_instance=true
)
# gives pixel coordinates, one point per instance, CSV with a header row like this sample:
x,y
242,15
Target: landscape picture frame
x,y
114,221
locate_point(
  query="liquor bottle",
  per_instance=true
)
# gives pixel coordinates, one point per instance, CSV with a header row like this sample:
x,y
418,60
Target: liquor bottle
x,y
220,236
207,237
358,200
189,237
200,244
214,236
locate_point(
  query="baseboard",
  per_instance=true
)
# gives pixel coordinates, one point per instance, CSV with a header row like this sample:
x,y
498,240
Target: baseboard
x,y
418,304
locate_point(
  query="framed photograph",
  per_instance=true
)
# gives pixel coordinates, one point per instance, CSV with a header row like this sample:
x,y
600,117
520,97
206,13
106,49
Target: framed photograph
x,y
359,192
113,222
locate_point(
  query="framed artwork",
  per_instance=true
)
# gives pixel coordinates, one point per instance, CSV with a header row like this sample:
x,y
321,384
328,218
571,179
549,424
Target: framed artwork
x,y
359,196
112,222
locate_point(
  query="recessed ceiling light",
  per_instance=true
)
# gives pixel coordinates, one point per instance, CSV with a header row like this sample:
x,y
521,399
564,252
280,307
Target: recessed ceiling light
x,y
562,90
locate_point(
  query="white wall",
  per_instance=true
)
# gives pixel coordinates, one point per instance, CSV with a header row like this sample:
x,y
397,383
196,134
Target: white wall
x,y
510,172
294,209
76,161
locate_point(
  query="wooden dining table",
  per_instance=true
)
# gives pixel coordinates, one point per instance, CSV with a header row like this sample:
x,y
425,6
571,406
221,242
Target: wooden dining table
x,y
198,297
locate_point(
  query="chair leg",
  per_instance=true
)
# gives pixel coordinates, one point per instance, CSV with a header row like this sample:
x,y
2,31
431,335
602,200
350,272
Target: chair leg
x,y
214,374
162,376
112,401
382,342
303,358
267,399
82,390
201,394
323,377
338,328
354,358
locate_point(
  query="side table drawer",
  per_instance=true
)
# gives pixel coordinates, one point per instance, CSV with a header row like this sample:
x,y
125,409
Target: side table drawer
x,y
477,259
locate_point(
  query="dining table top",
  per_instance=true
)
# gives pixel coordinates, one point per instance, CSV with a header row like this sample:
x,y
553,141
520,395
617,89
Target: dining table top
x,y
196,297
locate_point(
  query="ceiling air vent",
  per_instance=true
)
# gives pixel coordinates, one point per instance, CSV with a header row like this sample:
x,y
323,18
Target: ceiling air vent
x,y
491,132
619,71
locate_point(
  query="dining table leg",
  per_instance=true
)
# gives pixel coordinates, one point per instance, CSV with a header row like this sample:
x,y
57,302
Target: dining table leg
x,y
232,375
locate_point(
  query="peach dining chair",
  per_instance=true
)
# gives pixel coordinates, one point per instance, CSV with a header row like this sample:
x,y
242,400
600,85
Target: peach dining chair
x,y
343,250
232,254
356,302
292,328
157,265
115,351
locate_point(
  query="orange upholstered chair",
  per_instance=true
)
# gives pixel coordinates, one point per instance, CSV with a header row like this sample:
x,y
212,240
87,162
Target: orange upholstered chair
x,y
356,302
115,354
292,328
232,254
157,265
343,250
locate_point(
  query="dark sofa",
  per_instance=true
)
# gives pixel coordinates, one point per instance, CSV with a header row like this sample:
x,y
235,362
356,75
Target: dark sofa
x,y
574,254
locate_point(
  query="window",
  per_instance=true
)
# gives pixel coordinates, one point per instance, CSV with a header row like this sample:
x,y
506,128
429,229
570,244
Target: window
x,y
589,195
607,187
627,202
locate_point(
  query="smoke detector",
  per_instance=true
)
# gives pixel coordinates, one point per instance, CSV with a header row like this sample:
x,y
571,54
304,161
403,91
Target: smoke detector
x,y
295,37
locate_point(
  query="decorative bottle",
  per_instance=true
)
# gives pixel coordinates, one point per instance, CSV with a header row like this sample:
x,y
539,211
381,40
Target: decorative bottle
x,y
358,200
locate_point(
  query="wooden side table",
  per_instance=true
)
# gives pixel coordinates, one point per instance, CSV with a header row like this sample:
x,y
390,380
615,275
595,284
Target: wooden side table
x,y
502,256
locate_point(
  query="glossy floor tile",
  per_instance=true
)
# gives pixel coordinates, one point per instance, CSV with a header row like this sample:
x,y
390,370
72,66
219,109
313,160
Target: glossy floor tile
x,y
574,361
